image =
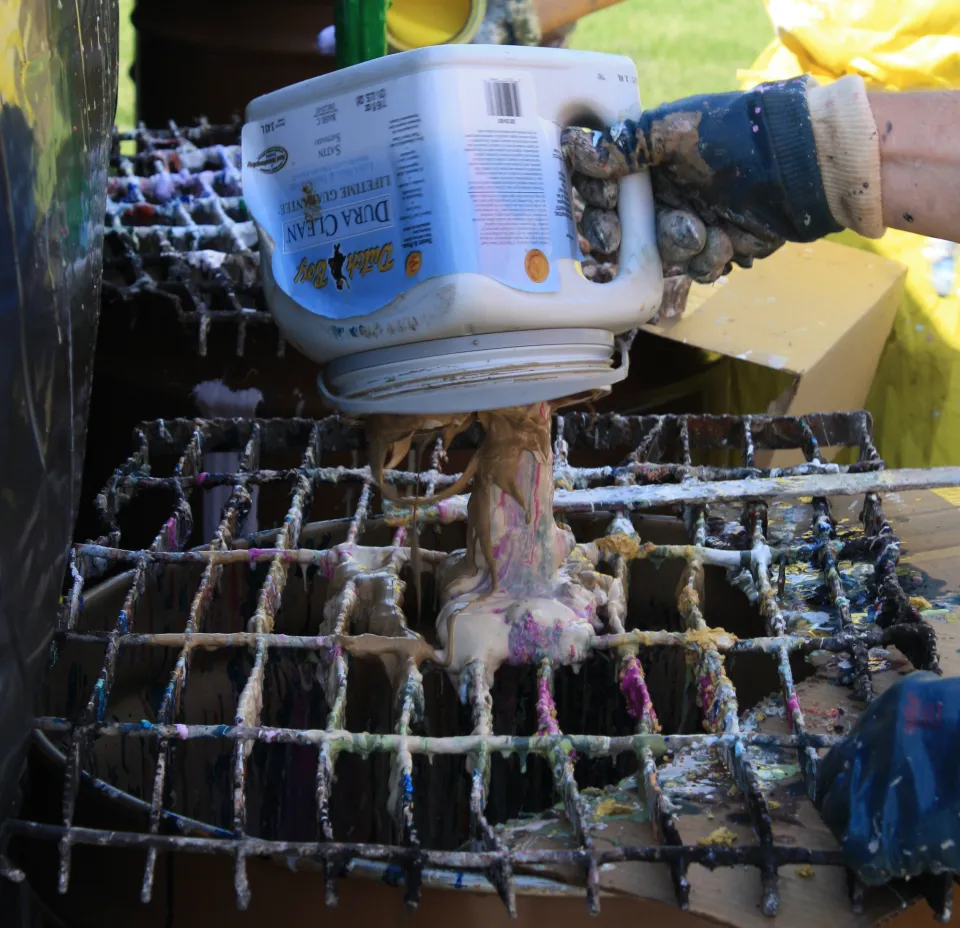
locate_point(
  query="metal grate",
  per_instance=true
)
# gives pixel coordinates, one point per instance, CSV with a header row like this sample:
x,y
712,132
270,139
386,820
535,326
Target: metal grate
x,y
178,230
727,511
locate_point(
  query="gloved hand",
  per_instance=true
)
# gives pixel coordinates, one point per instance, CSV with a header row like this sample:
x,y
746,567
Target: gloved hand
x,y
737,174
509,22
890,791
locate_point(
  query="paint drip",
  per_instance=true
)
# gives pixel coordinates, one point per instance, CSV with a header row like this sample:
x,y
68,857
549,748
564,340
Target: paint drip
x,y
523,590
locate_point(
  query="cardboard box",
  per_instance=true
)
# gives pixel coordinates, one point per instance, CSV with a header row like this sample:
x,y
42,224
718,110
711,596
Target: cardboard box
x,y
803,329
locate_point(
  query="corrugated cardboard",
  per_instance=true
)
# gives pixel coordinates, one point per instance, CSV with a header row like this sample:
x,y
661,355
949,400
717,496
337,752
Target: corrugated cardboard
x,y
805,328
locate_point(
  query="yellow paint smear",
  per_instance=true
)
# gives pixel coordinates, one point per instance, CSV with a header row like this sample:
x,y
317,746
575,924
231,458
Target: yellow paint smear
x,y
621,544
721,835
710,638
613,807
950,494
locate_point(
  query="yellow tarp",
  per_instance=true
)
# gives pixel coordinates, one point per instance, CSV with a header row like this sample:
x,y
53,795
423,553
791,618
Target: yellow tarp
x,y
893,45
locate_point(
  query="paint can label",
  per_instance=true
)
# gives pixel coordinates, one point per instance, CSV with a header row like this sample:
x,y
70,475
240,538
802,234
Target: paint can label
x,y
442,172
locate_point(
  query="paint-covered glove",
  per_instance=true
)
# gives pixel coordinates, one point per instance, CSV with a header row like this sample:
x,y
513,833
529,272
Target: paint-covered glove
x,y
735,175
509,22
890,791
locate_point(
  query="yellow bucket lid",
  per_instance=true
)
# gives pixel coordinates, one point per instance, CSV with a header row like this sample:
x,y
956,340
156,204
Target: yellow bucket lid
x,y
418,23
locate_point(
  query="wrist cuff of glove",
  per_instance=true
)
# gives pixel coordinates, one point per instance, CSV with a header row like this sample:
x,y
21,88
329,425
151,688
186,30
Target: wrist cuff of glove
x,y
786,116
848,149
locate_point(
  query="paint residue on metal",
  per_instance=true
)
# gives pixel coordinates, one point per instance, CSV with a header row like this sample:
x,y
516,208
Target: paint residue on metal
x,y
740,760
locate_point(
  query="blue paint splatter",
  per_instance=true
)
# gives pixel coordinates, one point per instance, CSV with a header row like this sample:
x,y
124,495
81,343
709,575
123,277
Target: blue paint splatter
x,y
101,702
393,875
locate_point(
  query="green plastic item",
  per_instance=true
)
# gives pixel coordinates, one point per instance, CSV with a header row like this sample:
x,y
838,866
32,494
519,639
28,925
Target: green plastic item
x,y
361,30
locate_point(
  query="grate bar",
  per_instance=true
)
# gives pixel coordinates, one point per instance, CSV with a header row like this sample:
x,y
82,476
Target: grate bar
x,y
599,499
710,856
648,449
336,684
411,710
633,687
328,559
411,699
894,611
718,702
500,872
637,498
828,549
114,496
71,611
776,627
250,703
367,743
234,513
564,782
630,474
749,450
635,638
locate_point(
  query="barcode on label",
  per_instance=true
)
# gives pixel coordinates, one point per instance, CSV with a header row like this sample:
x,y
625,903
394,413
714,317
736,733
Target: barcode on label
x,y
503,98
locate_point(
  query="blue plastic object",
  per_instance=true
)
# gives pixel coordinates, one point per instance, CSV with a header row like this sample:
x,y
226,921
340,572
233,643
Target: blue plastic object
x,y
890,792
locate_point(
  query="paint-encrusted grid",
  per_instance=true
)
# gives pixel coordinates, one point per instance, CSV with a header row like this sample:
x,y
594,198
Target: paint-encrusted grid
x,y
656,472
178,230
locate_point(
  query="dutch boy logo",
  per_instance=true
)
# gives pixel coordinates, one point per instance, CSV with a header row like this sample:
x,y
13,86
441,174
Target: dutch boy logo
x,y
270,160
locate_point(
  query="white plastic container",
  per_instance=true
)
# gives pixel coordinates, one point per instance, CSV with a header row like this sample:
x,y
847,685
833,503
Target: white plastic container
x,y
416,235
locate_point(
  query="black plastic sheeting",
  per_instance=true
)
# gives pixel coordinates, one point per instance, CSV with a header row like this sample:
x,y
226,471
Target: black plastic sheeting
x,y
58,89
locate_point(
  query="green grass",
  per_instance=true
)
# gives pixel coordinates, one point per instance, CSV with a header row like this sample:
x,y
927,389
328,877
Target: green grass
x,y
125,92
680,46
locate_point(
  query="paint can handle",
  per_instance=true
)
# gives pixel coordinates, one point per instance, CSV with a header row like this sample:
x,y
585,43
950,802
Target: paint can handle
x,y
639,271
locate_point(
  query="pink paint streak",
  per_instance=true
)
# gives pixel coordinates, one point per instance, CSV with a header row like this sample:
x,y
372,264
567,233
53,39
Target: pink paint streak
x,y
793,705
634,689
536,495
547,723
546,710
708,695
